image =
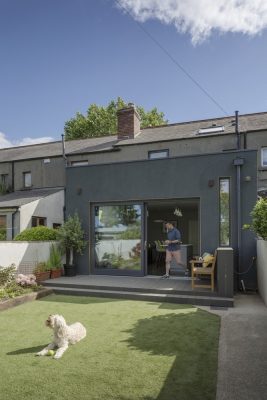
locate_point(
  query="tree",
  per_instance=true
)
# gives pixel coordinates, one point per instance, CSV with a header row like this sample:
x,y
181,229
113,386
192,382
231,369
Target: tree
x,y
100,120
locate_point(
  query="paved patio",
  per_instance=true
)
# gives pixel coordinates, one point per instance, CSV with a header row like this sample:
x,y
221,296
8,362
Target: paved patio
x,y
152,288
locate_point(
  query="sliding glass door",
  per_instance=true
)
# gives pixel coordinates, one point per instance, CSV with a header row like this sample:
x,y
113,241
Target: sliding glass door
x,y
118,239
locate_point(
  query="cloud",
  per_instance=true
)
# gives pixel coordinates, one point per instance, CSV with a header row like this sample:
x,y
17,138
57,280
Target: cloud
x,y
200,18
4,142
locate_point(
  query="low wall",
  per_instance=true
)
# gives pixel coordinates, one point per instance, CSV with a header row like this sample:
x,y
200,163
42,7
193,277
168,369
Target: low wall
x,y
25,255
262,268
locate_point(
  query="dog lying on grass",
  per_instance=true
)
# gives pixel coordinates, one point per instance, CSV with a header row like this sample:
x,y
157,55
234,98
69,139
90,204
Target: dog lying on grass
x,y
63,335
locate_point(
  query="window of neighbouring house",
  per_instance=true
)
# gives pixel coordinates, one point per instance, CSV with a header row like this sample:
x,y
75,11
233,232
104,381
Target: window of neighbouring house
x,y
56,226
2,227
27,179
38,221
264,157
155,154
224,212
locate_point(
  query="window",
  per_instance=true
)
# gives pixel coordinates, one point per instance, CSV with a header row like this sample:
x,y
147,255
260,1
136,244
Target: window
x,y
79,163
224,212
211,129
27,179
2,227
38,221
264,157
154,154
117,237
56,226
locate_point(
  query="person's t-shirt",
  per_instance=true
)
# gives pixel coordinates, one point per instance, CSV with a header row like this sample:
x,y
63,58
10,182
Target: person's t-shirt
x,y
174,234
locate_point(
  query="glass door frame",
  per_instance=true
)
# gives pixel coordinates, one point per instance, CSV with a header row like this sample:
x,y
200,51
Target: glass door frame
x,y
117,272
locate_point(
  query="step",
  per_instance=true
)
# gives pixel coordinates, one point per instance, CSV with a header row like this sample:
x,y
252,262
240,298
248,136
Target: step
x,y
52,284
147,296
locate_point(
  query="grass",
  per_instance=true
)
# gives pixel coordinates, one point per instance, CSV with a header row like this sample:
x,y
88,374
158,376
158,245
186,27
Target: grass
x,y
133,350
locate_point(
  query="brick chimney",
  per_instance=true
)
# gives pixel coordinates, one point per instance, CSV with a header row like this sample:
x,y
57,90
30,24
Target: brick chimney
x,y
128,122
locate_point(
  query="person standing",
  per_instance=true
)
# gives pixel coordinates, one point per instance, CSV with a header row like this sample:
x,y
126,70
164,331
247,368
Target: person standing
x,y
173,249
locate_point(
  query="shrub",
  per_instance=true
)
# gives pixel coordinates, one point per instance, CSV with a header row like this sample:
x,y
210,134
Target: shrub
x,y
2,233
26,280
38,233
7,275
259,219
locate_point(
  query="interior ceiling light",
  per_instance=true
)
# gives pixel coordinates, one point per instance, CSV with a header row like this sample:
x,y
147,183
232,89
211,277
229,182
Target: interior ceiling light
x,y
178,212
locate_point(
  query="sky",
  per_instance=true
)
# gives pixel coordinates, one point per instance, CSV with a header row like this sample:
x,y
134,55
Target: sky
x,y
192,59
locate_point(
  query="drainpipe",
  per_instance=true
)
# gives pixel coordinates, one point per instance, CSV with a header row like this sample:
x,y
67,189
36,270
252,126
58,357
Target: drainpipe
x,y
63,148
12,176
237,131
238,162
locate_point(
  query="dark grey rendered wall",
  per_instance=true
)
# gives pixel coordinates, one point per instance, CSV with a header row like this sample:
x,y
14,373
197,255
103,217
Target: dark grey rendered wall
x,y
181,177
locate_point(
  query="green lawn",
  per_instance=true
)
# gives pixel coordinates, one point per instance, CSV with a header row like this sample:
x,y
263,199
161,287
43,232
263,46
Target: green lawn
x,y
133,350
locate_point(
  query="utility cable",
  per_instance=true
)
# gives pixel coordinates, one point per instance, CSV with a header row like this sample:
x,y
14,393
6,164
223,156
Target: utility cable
x,y
168,54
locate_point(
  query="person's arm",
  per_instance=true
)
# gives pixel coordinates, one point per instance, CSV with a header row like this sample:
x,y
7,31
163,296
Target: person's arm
x,y
177,238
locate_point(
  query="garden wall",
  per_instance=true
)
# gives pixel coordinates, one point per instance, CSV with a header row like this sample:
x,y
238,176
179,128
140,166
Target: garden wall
x,y
25,255
262,268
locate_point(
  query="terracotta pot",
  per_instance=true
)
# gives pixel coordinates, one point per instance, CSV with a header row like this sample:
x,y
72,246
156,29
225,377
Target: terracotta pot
x,y
55,273
42,276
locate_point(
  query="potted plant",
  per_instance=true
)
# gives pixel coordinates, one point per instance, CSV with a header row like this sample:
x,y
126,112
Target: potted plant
x,y
41,271
54,262
71,238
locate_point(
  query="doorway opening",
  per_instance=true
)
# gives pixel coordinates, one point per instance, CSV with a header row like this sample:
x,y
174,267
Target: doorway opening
x,y
184,214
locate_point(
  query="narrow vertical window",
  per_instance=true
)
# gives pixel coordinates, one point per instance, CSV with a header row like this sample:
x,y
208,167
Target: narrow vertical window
x,y
27,179
224,212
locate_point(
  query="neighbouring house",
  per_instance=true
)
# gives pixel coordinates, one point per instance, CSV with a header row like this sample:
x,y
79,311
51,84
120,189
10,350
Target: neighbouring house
x,y
21,210
124,186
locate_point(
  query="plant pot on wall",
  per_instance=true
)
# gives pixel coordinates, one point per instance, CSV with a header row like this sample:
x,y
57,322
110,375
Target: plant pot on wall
x,y
70,270
42,276
55,273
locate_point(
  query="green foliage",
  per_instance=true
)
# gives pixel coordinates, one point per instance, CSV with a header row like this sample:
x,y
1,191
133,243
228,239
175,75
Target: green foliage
x,y
54,261
259,219
2,233
7,275
4,188
41,267
38,233
100,121
133,233
71,237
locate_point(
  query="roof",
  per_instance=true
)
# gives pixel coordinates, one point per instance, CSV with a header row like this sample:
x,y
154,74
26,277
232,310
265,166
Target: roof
x,y
182,130
185,130
54,149
21,197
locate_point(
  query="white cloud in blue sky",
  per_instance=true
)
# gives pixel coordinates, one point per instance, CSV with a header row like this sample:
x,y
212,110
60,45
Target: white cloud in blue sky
x,y
4,142
200,17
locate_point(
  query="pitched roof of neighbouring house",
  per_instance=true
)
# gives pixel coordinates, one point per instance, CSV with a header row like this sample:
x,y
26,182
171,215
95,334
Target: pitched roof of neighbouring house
x,y
21,197
182,130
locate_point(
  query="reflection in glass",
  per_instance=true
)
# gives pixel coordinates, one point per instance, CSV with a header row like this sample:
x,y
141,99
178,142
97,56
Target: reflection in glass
x,y
118,237
224,212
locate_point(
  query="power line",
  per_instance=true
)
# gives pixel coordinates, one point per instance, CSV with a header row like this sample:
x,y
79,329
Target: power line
x,y
174,60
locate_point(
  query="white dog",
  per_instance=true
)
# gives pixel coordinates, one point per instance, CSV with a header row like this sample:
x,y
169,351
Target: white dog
x,y
63,335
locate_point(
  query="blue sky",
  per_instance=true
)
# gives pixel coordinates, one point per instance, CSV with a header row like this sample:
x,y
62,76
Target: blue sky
x,y
59,56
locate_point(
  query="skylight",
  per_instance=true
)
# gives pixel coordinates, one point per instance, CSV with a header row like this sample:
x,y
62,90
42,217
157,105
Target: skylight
x,y
211,129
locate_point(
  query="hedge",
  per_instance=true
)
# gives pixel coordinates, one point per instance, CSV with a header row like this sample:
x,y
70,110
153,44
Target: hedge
x,y
39,233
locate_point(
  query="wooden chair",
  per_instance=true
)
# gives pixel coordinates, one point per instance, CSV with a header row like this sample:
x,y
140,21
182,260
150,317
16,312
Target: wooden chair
x,y
197,269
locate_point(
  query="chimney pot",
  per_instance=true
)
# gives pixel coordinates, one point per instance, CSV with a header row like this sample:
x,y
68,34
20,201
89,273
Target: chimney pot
x,y
128,122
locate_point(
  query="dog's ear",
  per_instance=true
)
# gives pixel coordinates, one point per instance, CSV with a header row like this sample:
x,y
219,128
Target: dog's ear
x,y
61,326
